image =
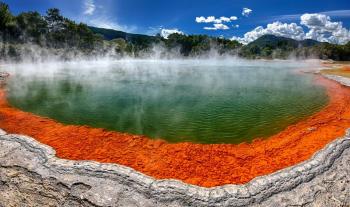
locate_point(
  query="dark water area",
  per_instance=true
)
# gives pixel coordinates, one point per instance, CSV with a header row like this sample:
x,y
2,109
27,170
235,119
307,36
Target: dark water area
x,y
196,101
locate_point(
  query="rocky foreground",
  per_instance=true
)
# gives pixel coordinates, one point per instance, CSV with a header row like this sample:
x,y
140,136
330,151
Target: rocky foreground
x,y
31,175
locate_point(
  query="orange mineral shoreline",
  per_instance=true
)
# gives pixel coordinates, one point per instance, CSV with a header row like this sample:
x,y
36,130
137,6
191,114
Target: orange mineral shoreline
x,y
200,164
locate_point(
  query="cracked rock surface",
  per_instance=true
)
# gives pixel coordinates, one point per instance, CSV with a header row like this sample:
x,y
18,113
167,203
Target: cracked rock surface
x,y
31,175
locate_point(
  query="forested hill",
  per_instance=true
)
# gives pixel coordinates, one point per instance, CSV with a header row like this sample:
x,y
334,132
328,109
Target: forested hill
x,y
275,41
110,34
270,46
34,36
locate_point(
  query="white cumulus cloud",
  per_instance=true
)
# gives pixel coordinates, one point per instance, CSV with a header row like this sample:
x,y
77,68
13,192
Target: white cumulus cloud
x,y
217,22
246,12
320,27
277,28
166,32
89,7
205,20
233,18
213,19
217,27
225,19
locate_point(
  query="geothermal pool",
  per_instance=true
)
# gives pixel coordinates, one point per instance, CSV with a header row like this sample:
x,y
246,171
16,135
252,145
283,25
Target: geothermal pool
x,y
194,100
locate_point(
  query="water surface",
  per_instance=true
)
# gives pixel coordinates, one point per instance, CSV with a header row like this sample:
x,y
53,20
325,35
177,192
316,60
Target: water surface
x,y
198,101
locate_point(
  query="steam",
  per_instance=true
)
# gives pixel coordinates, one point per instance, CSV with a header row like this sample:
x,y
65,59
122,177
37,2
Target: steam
x,y
34,54
155,96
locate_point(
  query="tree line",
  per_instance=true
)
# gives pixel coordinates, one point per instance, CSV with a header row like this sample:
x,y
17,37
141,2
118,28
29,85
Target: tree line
x,y
66,38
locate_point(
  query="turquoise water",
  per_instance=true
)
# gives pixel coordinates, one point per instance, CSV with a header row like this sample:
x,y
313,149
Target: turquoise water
x,y
197,101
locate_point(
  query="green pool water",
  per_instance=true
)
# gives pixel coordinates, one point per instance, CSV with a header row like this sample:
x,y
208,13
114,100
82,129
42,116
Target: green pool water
x,y
199,101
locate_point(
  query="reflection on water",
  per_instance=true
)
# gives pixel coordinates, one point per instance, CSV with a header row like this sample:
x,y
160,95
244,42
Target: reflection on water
x,y
179,101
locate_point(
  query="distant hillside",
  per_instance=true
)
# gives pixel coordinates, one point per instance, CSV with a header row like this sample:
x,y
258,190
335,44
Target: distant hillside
x,y
273,41
274,47
110,34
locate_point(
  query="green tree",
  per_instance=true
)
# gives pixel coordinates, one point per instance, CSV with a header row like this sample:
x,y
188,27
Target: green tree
x,y
119,45
8,29
54,20
33,26
6,18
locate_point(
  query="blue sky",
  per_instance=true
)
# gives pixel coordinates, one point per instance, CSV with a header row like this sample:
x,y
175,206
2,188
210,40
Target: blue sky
x,y
148,17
